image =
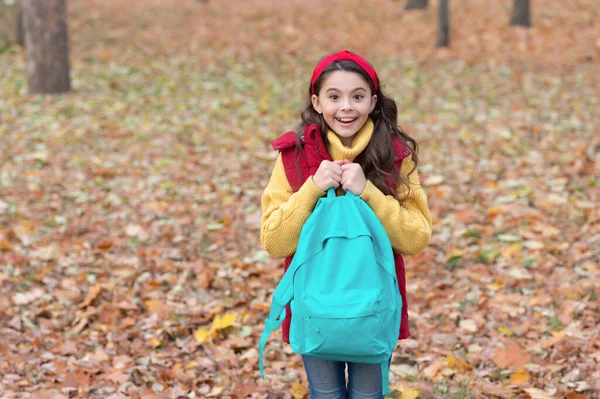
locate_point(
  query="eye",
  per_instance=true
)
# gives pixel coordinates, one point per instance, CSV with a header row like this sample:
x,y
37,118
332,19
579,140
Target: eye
x,y
334,97
358,97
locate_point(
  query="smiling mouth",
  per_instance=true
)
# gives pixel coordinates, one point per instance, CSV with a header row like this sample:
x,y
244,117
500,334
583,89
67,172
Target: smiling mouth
x,y
346,121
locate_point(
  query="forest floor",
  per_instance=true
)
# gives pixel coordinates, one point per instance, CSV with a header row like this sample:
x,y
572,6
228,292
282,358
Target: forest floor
x,y
130,208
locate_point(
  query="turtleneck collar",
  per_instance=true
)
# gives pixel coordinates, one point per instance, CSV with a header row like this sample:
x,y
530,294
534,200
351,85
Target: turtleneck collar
x,y
339,151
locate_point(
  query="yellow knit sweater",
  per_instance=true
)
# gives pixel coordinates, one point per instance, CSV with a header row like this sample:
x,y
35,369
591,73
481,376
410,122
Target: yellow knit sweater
x,y
407,223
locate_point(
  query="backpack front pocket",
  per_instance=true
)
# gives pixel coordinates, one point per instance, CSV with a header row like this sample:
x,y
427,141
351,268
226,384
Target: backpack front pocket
x,y
349,325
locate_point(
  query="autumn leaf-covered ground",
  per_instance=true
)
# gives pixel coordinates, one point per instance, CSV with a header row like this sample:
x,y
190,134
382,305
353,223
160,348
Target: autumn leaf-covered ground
x,y
130,209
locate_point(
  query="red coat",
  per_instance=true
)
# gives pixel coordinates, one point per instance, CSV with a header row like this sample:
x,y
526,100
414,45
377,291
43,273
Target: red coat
x,y
299,166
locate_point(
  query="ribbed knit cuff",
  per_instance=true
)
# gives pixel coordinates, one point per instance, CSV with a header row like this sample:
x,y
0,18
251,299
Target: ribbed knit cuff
x,y
308,195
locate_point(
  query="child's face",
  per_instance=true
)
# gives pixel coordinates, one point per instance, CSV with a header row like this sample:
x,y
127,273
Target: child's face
x,y
345,101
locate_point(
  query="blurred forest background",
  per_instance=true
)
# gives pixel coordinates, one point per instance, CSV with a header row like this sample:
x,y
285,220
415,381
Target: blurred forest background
x,y
130,258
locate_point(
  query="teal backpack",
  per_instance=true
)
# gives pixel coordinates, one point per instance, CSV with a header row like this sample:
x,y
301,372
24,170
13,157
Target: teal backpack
x,y
341,287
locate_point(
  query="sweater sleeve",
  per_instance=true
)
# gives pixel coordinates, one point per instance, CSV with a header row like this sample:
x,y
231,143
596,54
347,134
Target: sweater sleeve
x,y
407,222
284,213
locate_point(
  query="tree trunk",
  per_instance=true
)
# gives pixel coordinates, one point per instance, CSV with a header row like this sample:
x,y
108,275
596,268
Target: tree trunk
x,y
46,46
521,13
416,4
19,34
443,39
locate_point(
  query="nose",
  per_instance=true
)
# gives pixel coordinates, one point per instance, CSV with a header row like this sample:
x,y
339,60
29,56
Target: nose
x,y
347,104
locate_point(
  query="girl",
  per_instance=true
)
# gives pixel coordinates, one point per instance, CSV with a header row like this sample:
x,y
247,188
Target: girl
x,y
348,116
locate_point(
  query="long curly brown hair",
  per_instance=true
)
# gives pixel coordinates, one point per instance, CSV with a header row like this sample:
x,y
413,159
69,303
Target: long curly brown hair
x,y
378,158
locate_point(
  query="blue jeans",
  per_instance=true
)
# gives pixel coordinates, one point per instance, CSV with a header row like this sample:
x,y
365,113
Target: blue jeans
x,y
327,379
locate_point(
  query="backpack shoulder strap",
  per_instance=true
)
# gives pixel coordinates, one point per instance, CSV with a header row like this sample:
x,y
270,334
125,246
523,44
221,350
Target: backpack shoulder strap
x,y
282,296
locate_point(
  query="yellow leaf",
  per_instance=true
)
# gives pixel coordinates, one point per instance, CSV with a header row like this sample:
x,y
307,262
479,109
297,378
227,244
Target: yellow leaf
x,y
494,211
410,393
519,377
299,391
495,286
458,364
512,250
455,254
222,322
506,331
155,342
202,334
191,365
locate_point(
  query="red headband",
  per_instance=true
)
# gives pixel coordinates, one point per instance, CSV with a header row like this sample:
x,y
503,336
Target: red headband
x,y
344,55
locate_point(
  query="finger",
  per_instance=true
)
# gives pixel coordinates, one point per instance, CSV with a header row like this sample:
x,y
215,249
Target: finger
x,y
347,166
337,174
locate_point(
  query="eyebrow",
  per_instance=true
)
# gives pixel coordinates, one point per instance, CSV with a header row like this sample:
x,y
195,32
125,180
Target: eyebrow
x,y
336,89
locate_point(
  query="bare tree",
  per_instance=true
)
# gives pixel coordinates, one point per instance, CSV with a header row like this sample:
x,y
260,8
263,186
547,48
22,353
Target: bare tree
x,y
416,4
443,39
19,34
521,13
46,46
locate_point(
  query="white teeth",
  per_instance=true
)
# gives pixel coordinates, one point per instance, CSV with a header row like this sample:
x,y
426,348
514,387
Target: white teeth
x,y
346,120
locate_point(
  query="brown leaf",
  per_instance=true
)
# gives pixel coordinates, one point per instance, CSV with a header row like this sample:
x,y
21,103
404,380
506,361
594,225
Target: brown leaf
x,y
573,395
204,274
104,245
158,307
120,362
116,376
5,245
48,394
91,295
127,322
245,390
509,355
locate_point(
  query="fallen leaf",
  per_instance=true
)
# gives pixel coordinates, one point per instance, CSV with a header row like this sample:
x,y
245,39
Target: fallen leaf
x,y
5,245
92,294
298,390
116,376
458,364
519,377
48,394
410,393
158,307
468,325
509,355
536,393
573,395
222,322
433,369
201,334
122,361
433,180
